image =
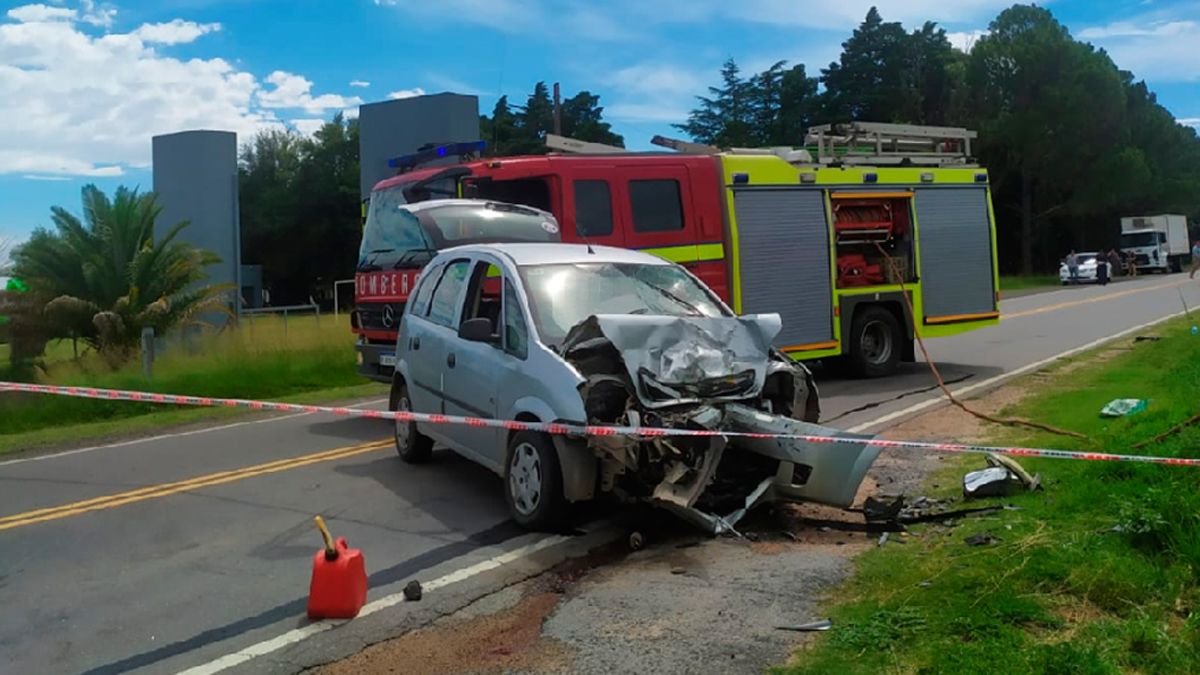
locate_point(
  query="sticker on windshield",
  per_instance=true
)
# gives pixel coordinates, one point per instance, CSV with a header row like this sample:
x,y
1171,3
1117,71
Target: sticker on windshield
x,y
549,227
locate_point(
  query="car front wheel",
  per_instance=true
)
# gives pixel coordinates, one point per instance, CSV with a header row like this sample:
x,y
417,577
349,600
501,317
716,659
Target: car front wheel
x,y
412,446
533,482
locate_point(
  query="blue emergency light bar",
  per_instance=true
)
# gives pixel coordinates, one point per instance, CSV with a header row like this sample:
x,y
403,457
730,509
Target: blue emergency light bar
x,y
431,153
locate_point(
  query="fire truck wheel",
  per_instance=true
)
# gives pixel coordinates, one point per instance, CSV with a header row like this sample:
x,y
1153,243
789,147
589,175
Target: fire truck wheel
x,y
874,342
412,446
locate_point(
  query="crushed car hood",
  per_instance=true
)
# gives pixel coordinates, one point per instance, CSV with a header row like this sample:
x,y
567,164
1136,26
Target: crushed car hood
x,y
709,375
674,360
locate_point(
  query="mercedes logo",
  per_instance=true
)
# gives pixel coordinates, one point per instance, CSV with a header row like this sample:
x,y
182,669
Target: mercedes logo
x,y
389,316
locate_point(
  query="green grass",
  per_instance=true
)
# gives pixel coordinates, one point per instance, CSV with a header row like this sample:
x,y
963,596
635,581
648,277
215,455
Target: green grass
x,y
261,360
1022,283
1063,591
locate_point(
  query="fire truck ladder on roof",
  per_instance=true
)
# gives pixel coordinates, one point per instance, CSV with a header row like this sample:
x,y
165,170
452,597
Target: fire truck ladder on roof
x,y
875,143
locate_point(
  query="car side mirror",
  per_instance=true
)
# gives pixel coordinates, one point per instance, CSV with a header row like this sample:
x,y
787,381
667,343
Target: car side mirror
x,y
479,329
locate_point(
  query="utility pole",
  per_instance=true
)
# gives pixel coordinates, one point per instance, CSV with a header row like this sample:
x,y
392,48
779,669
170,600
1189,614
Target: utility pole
x,y
557,111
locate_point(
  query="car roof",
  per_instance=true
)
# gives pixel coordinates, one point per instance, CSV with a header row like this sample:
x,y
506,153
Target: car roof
x,y
524,254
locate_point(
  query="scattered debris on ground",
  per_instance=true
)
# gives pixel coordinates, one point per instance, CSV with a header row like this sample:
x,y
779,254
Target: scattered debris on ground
x,y
762,589
982,539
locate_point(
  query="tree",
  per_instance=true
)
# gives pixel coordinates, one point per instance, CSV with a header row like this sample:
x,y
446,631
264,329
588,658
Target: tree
x,y
874,80
300,196
106,276
727,119
582,119
513,130
1051,115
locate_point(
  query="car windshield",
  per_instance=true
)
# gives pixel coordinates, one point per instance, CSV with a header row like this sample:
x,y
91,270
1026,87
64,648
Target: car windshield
x,y
563,295
1133,239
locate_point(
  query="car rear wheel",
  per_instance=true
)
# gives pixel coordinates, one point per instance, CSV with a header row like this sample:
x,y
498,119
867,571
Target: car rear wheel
x,y
874,343
412,446
533,482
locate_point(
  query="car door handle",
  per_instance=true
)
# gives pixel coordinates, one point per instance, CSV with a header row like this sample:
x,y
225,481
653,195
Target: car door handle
x,y
450,360
415,343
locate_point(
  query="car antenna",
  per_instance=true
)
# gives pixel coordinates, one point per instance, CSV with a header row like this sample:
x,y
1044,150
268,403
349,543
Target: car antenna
x,y
588,243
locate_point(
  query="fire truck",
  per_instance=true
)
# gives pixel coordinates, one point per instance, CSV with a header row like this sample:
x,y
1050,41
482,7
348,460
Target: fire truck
x,y
829,236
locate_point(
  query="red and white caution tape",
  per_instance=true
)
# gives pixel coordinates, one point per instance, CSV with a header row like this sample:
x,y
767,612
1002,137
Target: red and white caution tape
x,y
561,429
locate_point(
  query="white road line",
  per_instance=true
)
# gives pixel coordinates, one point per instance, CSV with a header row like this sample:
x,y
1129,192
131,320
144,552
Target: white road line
x,y
160,437
304,632
993,381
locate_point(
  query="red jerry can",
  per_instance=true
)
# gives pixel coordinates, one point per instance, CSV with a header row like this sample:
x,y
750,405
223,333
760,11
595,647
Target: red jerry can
x,y
339,579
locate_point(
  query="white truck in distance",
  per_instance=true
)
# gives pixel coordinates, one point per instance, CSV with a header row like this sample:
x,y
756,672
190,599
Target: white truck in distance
x,y
1158,243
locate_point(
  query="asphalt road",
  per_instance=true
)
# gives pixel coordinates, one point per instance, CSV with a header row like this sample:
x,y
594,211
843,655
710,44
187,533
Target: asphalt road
x,y
173,552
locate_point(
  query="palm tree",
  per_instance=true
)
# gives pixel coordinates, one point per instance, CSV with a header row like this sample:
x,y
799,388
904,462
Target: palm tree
x,y
106,276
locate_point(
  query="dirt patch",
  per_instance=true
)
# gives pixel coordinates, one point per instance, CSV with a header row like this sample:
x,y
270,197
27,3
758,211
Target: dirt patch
x,y
505,641
1107,354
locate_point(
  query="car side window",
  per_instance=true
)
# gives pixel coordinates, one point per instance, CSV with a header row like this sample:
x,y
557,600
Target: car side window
x,y
656,205
444,303
516,333
419,305
483,295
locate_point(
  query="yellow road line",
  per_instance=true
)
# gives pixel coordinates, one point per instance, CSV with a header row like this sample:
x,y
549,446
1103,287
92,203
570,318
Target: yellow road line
x,y
166,489
1072,303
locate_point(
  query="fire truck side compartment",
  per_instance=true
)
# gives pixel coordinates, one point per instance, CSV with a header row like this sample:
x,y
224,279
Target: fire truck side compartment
x,y
956,243
783,250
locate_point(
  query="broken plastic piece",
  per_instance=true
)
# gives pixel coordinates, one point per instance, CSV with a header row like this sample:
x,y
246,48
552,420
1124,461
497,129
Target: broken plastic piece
x,y
823,624
1031,483
1123,407
994,481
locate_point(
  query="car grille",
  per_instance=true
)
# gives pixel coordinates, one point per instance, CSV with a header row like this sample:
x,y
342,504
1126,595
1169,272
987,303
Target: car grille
x,y
373,315
1141,259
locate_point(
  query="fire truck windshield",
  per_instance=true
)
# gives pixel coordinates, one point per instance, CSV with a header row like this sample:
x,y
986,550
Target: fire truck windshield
x,y
392,233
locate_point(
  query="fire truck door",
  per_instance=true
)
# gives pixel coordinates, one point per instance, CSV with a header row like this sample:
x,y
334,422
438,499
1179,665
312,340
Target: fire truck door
x,y
955,239
589,208
657,205
783,261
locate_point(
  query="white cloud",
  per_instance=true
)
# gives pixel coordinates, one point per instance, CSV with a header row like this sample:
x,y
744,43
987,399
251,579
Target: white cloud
x,y
656,78
1131,29
97,15
1152,47
78,99
295,91
174,32
40,13
1189,121
33,176
360,83
308,126
964,41
618,20
406,93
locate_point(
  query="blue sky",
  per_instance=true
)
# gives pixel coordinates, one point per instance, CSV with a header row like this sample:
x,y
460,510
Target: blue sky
x,y
84,84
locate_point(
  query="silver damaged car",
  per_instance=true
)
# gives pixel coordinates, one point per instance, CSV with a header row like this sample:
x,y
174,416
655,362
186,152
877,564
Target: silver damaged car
x,y
596,335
